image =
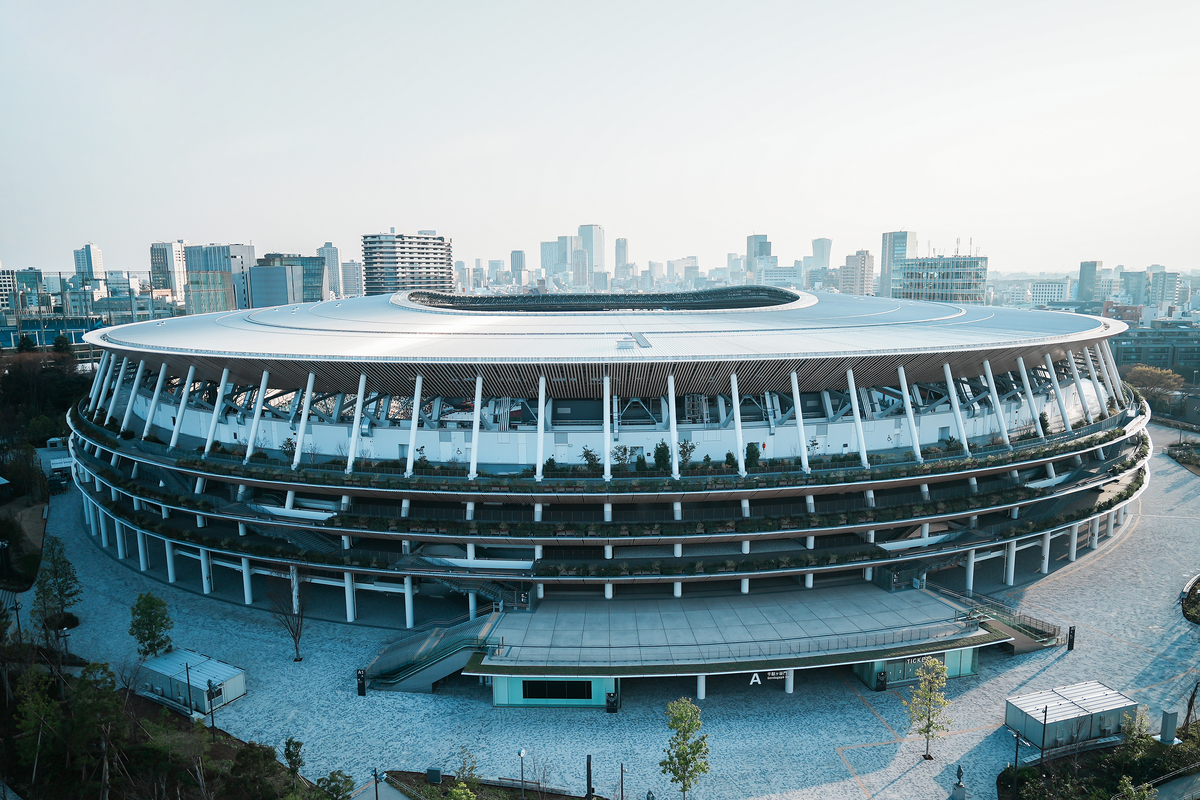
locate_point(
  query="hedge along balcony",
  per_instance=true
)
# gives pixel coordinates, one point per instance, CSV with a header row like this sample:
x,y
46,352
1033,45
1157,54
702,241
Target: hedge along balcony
x,y
597,533
228,546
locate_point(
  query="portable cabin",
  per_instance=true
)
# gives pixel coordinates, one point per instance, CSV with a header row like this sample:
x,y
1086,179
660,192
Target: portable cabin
x,y
1068,714
181,679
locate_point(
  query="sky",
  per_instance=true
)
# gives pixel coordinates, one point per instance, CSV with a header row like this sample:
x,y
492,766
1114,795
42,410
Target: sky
x,y
1043,133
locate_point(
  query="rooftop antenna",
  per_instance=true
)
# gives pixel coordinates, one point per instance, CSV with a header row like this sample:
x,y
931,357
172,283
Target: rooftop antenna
x,y
957,242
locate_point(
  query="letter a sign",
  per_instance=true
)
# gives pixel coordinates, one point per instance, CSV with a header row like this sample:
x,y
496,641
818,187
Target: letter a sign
x,y
755,679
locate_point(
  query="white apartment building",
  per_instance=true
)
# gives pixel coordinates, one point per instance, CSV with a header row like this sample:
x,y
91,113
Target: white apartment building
x,y
394,261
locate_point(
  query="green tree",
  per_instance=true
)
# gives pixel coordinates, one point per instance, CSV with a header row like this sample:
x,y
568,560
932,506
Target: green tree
x,y
686,753
293,758
461,792
1155,383
62,345
26,345
752,454
468,769
592,460
662,455
686,449
40,718
927,704
730,459
252,775
338,785
150,621
57,588
1137,736
96,711
1130,792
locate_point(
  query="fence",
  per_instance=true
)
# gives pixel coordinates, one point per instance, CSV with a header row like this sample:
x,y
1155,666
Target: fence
x,y
1006,613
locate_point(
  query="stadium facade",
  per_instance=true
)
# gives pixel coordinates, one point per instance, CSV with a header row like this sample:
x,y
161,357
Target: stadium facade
x,y
744,480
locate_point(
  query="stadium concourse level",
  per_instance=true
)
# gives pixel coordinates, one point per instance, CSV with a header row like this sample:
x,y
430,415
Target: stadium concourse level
x,y
631,446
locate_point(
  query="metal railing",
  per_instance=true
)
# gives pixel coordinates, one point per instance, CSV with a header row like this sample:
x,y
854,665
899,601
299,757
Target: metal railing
x,y
397,660
1006,613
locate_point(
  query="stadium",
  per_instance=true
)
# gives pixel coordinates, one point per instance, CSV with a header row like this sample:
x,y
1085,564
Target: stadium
x,y
746,481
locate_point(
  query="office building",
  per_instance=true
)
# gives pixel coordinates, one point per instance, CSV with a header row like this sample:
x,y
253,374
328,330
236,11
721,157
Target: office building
x,y
277,282
581,272
392,262
622,252
1164,288
946,279
896,245
234,259
315,284
1086,291
677,269
567,245
89,263
352,279
210,290
591,238
1043,293
1135,286
548,258
821,250
168,267
858,274
516,265
332,271
814,539
756,245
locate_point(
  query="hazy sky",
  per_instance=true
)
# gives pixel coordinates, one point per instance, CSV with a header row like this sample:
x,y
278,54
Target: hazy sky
x,y
1047,132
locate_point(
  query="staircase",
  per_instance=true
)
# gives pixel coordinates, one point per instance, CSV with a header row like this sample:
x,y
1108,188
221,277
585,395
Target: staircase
x,y
415,663
1036,631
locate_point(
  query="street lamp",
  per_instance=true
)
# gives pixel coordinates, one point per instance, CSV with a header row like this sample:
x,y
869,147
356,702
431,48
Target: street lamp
x,y
521,755
1016,756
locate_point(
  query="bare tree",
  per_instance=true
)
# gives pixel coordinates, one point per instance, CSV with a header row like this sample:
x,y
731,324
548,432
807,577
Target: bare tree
x,y
289,612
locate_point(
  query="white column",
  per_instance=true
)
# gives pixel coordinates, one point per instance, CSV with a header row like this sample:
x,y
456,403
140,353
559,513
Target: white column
x,y
350,610
1062,406
808,580
472,473
106,381
858,426
970,583
537,512
800,424
908,413
472,605
206,570
218,407
1033,410
1046,553
674,427
1101,399
133,390
1094,531
541,423
303,429
408,601
737,424
1109,379
186,390
678,550
699,687
952,389
158,386
678,587
98,380
608,591
102,519
169,547
119,532
116,392
789,683
1074,542
608,429
358,407
991,379
412,429
141,545
1087,412
1010,562
247,588
745,586
1109,524
258,407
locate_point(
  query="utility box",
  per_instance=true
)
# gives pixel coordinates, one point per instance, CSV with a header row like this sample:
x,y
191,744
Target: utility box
x,y
180,679
1068,714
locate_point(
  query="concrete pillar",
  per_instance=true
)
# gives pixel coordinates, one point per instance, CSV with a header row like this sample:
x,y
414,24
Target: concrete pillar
x,y
351,611
302,431
166,512
537,512
1094,529
608,512
242,529
218,407
133,390
473,472
1108,378
924,487
970,582
1101,398
355,430
908,414
810,504
924,530
206,582
1014,512
699,687
608,591
996,407
405,508
116,392
745,507
119,530
1010,562
869,572
169,548
869,496
105,371
181,409
677,510
608,428
470,511
674,428
537,552
974,484
141,546
542,423
201,521
294,581
800,424
808,580
745,547
154,398
247,588
1058,395
541,591
97,380
345,542
1074,542
952,390
789,683
737,424
259,399
1121,515
1087,412
1109,523
102,518
678,589
745,586
858,426
470,551
810,542
472,605
1033,411
408,601
412,428
608,552
678,549
1046,553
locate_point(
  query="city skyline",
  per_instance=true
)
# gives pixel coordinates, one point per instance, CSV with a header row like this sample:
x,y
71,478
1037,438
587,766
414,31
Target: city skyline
x,y
1038,111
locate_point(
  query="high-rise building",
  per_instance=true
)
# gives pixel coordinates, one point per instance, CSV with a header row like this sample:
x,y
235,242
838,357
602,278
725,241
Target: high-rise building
x,y
591,238
516,265
821,250
168,267
896,245
495,267
1087,281
235,259
314,285
567,245
393,262
89,263
756,245
1164,288
208,291
549,258
858,275
332,263
352,279
622,254
947,279
1136,287
581,268
277,283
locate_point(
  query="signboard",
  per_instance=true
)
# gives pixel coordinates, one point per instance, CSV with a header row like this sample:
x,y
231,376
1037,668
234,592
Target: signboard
x,y
773,675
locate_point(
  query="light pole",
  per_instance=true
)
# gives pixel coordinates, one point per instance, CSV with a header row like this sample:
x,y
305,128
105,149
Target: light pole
x,y
521,755
1045,716
1016,756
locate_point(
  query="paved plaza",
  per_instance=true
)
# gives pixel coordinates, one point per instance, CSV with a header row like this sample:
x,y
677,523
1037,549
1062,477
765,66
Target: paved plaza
x,y
832,738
